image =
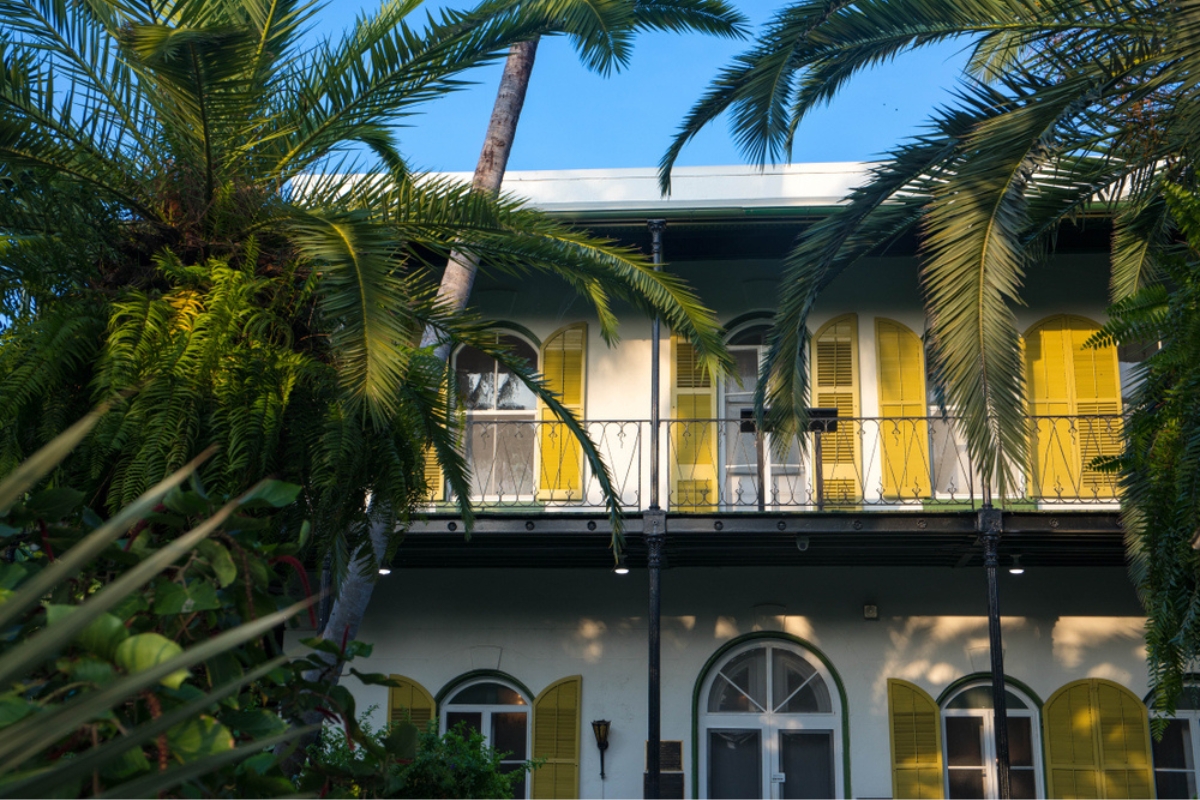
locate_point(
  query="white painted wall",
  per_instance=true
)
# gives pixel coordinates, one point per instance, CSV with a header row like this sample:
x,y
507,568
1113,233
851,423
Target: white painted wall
x,y
433,625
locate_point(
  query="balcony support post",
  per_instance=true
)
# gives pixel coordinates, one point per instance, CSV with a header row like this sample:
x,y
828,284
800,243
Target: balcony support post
x,y
991,526
654,529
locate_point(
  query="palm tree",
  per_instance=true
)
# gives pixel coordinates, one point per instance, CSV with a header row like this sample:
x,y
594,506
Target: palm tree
x,y
211,220
1066,105
602,32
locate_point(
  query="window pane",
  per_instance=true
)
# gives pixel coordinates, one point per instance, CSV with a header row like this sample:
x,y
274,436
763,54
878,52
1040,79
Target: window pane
x,y
751,336
734,764
1189,698
789,673
473,720
519,786
487,694
1171,785
807,762
1020,741
508,734
511,394
964,741
966,784
726,697
476,380
1023,783
1175,749
748,672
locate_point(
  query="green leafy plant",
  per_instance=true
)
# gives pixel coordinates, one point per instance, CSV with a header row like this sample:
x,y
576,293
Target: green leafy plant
x,y
140,654
401,761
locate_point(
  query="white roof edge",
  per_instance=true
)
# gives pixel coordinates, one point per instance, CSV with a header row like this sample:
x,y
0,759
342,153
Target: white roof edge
x,y
717,187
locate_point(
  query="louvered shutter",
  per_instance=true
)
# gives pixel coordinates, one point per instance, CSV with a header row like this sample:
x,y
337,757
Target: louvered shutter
x,y
435,480
835,385
1098,396
409,701
903,430
693,433
1067,381
916,737
556,724
1097,742
560,454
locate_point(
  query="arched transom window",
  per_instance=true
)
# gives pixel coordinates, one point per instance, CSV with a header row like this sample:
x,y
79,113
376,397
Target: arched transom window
x,y
770,725
969,739
501,713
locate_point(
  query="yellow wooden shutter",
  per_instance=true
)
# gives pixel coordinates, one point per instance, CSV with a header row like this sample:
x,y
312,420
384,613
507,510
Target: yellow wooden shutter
x,y
693,433
564,357
903,431
1097,742
435,480
556,722
835,385
409,700
1066,384
916,737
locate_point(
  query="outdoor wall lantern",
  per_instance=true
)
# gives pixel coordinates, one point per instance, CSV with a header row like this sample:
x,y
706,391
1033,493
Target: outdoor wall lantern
x,y
600,728
621,568
1016,568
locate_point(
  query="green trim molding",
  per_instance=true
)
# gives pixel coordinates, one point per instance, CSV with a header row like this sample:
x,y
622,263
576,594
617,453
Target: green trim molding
x,y
779,637
975,677
477,674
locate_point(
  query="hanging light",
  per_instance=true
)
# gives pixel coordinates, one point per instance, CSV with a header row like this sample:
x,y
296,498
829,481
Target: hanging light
x,y
384,571
621,567
1016,568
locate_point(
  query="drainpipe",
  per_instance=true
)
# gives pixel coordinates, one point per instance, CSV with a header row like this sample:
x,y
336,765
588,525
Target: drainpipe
x,y
654,525
991,525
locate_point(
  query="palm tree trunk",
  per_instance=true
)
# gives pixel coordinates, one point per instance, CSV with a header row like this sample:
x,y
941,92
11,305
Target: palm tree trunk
x,y
350,606
459,276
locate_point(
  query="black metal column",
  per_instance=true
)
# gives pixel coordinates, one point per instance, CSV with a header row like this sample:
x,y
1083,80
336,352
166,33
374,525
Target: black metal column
x,y
654,529
991,525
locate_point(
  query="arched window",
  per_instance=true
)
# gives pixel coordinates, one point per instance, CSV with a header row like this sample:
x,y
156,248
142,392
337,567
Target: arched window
x,y
500,410
969,742
1176,754
770,724
501,713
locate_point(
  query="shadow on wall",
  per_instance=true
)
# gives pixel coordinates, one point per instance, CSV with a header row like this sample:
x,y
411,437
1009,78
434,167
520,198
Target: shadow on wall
x,y
933,651
1074,637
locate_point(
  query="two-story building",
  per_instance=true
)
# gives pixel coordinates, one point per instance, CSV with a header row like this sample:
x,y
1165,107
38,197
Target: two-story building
x,y
824,629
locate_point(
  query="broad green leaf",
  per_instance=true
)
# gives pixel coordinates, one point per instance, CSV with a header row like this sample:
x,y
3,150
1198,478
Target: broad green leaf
x,y
271,494
11,575
51,505
184,502
13,707
145,650
90,670
218,557
126,764
171,598
199,737
257,723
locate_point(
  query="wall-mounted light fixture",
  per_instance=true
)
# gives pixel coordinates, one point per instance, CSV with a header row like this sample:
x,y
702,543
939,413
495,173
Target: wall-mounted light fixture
x,y
600,728
621,568
1016,568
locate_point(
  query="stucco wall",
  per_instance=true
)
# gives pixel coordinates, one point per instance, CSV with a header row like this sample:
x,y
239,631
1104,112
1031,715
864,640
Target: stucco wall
x,y
433,625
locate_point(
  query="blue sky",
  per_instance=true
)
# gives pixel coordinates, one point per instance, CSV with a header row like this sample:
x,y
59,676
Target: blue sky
x,y
574,119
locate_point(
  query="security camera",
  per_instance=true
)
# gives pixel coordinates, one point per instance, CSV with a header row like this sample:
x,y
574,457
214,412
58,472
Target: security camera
x,y
801,543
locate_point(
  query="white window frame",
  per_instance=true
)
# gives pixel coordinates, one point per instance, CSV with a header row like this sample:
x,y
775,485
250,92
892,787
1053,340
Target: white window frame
x,y
770,724
486,711
1032,711
1192,716
504,416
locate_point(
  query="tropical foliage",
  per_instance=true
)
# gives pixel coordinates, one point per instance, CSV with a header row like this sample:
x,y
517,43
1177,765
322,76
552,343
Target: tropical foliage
x,y
1066,105
1160,469
208,214
141,654
400,761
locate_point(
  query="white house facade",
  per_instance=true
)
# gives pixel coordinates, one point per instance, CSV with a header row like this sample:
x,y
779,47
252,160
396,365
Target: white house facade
x,y
824,612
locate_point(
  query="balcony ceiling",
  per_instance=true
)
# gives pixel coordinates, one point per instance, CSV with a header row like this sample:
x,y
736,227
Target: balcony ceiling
x,y
900,539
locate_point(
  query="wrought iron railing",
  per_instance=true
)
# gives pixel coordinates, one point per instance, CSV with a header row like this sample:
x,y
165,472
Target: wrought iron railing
x,y
723,465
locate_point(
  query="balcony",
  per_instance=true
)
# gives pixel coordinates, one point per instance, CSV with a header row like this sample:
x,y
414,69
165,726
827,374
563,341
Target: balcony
x,y
724,466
